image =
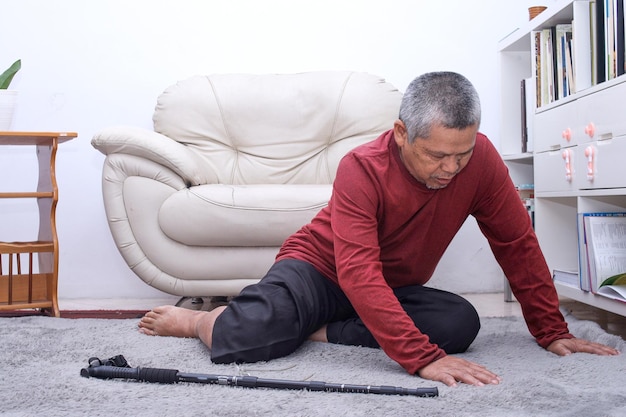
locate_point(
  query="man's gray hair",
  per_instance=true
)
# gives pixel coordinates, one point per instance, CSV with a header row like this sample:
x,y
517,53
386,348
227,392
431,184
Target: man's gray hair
x,y
443,98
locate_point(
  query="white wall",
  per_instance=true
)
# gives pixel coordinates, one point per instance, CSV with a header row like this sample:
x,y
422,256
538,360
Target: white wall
x,y
90,64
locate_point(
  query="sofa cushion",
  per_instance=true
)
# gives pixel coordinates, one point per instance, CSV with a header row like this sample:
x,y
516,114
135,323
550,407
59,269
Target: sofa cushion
x,y
276,128
240,215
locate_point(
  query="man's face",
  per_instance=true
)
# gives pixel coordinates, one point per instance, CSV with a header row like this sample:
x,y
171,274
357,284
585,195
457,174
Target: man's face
x,y
436,160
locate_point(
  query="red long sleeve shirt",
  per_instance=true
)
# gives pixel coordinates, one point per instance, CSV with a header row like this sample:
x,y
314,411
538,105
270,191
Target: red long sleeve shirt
x,y
382,229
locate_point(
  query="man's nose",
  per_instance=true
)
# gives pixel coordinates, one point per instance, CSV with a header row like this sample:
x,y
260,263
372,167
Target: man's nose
x,y
450,164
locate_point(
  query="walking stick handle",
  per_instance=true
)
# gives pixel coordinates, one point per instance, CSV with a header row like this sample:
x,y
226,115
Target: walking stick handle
x,y
164,376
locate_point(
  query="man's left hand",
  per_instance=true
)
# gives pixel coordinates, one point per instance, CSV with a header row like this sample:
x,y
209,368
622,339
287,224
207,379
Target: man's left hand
x,y
564,347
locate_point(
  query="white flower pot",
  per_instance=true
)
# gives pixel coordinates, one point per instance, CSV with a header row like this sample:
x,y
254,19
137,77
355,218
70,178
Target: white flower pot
x,y
8,101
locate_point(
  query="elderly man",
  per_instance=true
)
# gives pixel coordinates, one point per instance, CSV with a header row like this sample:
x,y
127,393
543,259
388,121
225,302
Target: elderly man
x,y
355,274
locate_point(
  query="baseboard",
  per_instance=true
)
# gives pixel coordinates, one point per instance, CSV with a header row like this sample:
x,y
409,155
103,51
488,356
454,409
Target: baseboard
x,y
103,314
80,314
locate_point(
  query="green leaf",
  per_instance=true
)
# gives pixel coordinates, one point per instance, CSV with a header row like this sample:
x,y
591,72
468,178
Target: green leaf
x,y
619,279
7,76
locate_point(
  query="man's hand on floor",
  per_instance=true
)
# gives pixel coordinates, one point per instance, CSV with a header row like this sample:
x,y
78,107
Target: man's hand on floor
x,y
450,370
564,347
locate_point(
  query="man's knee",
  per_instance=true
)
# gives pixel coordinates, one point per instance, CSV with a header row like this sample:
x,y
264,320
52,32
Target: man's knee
x,y
462,327
449,320
239,345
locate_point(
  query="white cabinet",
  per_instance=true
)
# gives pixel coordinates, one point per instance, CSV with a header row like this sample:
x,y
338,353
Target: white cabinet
x,y
601,165
578,156
555,170
601,113
558,127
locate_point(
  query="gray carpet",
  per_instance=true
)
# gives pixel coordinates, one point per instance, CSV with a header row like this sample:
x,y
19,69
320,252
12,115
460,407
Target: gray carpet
x,y
41,358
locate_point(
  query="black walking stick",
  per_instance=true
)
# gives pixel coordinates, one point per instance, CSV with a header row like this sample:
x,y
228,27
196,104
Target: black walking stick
x,y
117,367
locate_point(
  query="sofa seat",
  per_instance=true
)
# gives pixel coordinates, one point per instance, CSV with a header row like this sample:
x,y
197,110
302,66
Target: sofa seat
x,y
240,215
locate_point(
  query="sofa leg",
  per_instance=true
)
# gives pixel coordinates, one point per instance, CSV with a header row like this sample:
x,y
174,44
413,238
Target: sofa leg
x,y
194,303
202,303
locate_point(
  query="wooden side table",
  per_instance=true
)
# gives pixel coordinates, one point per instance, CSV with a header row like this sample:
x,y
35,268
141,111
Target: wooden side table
x,y
22,286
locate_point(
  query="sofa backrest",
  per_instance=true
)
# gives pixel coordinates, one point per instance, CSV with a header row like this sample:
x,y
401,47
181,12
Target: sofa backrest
x,y
277,128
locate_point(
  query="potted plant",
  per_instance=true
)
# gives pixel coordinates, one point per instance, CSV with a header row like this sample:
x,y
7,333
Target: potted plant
x,y
8,98
7,76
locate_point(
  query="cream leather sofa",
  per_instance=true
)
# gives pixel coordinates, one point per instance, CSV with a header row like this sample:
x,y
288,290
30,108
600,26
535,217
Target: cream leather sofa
x,y
236,163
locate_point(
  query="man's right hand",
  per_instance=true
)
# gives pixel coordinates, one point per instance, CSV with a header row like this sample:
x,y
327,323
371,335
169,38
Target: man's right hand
x,y
451,370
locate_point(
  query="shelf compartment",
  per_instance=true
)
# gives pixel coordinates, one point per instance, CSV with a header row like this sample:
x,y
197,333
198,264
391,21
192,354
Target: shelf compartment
x,y
20,283
557,231
21,289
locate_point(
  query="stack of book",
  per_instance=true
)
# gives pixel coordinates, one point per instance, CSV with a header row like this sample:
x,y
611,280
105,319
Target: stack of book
x,y
607,23
553,58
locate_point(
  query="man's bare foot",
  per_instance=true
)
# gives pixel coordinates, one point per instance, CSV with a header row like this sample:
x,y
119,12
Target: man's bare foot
x,y
180,322
171,321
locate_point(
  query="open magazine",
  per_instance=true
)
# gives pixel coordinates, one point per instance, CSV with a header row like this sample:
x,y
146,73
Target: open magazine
x,y
614,287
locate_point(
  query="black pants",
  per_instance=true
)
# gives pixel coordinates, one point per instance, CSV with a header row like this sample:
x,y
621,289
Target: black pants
x,y
273,318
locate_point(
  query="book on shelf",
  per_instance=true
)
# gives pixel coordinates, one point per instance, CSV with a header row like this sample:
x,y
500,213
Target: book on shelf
x,y
620,41
609,39
524,117
582,46
536,64
593,35
614,287
527,105
599,27
583,255
603,251
568,57
569,278
548,69
542,72
527,111
564,77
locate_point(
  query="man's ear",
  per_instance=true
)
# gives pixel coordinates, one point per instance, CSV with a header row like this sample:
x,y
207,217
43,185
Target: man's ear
x,y
400,133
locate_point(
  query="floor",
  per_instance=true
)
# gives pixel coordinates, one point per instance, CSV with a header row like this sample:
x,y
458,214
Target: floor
x,y
488,305
610,322
494,305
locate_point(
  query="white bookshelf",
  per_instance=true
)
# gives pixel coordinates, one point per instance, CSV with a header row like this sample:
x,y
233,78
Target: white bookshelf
x,y
559,198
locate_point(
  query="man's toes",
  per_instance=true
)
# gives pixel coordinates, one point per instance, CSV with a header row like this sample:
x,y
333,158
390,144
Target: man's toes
x,y
148,332
152,314
145,322
146,325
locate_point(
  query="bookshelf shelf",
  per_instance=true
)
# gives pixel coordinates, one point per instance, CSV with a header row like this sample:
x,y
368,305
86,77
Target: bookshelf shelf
x,y
604,303
524,158
550,145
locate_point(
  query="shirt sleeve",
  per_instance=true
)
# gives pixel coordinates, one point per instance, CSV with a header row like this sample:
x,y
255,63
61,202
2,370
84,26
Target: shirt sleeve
x,y
507,226
355,217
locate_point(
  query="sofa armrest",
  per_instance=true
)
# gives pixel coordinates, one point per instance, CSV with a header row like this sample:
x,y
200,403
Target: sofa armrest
x,y
158,148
